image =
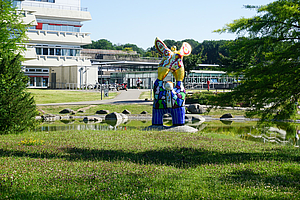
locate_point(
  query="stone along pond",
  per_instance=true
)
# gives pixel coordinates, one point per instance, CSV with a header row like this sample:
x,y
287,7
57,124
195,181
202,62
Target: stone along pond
x,y
283,133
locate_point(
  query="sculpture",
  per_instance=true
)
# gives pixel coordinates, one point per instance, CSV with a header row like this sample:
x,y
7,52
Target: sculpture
x,y
169,98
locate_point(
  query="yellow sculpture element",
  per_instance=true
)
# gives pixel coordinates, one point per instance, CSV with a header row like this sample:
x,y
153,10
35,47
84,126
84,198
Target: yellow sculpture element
x,y
172,60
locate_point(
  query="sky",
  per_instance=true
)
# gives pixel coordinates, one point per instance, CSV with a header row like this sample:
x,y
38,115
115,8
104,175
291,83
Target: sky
x,y
141,21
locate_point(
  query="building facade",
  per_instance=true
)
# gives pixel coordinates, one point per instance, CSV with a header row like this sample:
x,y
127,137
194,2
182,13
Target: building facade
x,y
53,57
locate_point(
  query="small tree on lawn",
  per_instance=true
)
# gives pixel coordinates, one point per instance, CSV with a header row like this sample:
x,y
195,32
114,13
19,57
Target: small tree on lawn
x,y
17,107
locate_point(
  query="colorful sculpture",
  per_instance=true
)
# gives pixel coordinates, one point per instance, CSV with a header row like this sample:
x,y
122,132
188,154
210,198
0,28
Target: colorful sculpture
x,y
167,98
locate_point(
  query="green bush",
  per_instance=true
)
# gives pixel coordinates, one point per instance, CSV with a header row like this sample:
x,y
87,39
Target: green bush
x,y
202,98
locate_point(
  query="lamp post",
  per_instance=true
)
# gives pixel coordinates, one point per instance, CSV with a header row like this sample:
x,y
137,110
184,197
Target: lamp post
x,y
101,82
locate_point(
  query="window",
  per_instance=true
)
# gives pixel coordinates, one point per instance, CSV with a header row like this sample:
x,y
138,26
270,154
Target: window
x,y
51,51
45,82
58,52
45,27
72,52
64,28
64,52
31,81
45,51
38,51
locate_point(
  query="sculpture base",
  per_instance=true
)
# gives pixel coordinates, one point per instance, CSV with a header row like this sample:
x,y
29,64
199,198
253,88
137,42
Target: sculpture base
x,y
183,128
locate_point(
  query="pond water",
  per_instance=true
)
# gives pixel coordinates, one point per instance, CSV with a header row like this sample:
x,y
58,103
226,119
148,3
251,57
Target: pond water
x,y
283,133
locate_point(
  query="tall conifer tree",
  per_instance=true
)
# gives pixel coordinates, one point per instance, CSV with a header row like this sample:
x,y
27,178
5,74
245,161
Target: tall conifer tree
x,y
17,107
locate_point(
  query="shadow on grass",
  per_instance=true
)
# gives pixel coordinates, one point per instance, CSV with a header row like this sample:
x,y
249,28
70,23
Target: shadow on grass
x,y
176,157
250,177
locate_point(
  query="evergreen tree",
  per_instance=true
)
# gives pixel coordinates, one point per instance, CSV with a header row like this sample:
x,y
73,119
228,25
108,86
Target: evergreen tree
x,y
17,107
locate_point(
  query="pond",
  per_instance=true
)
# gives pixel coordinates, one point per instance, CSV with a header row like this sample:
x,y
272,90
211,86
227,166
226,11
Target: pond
x,y
283,133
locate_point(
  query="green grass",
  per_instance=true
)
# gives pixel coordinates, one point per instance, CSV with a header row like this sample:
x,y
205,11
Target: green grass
x,y
145,165
63,96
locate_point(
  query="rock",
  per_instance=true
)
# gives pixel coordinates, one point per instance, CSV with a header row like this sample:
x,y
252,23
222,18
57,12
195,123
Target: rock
x,y
196,109
144,112
124,117
92,118
113,116
50,117
227,115
102,112
183,129
66,110
41,112
81,111
126,112
198,118
188,118
66,117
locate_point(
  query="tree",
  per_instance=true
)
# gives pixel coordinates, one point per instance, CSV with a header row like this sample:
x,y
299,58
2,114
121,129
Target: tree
x,y
267,53
100,44
17,107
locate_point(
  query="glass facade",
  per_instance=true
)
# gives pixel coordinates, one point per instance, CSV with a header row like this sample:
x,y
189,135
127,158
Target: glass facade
x,y
57,51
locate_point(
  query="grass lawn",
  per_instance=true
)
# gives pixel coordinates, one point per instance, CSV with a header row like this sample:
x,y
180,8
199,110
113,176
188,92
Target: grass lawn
x,y
145,165
63,96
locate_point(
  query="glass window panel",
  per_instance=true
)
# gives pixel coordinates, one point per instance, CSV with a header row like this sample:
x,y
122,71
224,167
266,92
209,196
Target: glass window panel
x,y
45,27
38,81
64,28
70,28
38,51
71,52
31,80
51,51
77,52
58,52
45,82
58,28
77,29
64,52
45,51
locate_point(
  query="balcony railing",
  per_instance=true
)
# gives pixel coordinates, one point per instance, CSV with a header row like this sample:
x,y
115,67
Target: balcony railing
x,y
64,33
54,6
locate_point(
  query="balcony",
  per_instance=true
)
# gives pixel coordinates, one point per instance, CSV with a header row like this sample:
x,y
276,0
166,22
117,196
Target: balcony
x,y
59,12
57,61
58,37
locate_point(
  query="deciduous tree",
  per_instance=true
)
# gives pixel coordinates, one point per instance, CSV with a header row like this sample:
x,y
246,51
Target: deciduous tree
x,y
267,53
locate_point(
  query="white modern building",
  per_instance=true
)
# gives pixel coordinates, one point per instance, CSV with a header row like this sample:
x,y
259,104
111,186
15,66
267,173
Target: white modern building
x,y
54,44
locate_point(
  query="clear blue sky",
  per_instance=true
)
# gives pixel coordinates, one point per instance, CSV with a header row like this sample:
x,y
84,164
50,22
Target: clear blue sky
x,y
141,21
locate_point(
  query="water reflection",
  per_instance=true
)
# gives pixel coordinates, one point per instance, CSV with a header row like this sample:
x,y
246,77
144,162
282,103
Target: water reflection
x,y
283,133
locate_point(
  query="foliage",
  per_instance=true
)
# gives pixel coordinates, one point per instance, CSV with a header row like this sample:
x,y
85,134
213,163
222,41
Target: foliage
x,y
105,44
267,54
200,97
146,165
208,52
17,107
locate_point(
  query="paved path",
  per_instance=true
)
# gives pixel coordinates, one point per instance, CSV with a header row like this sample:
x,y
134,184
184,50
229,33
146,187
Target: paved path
x,y
131,96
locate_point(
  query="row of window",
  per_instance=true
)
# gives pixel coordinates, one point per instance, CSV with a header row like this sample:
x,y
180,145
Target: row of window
x,y
57,51
36,70
57,27
49,1
38,81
